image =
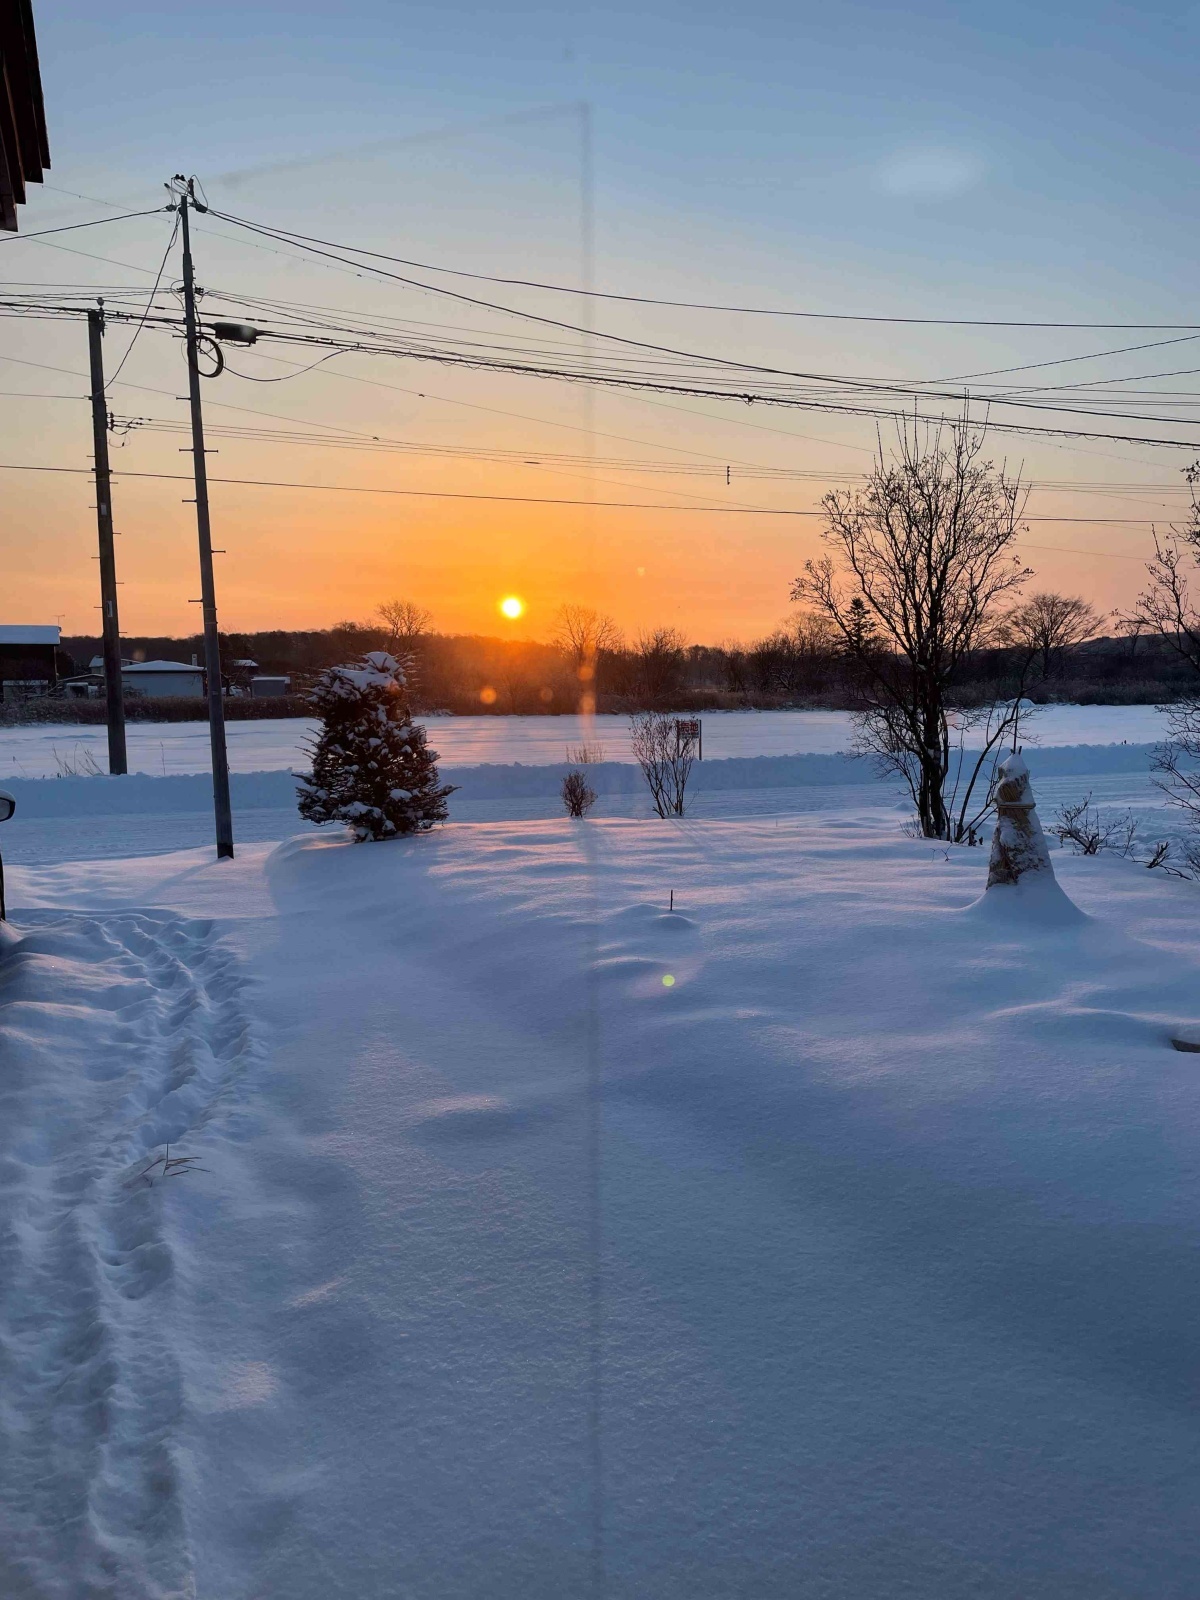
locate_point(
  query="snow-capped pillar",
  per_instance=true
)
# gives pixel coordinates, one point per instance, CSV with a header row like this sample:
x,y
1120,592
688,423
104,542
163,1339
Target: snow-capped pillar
x,y
1018,844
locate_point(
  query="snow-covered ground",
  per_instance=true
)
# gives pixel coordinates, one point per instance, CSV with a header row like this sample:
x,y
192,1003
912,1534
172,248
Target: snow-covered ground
x,y
857,1260
161,748
509,769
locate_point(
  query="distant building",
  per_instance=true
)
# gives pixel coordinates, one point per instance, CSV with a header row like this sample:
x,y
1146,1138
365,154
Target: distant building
x,y
163,678
268,686
31,662
24,149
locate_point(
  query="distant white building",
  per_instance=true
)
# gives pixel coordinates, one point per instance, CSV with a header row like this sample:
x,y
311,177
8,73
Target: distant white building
x,y
163,678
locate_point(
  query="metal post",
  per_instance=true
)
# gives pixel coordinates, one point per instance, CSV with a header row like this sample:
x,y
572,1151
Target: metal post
x,y
114,693
208,592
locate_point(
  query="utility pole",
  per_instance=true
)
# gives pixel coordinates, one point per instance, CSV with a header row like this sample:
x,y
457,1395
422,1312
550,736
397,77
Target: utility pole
x,y
113,688
208,591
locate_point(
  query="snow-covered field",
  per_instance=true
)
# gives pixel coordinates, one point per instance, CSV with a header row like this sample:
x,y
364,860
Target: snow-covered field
x,y
889,1288
509,769
161,748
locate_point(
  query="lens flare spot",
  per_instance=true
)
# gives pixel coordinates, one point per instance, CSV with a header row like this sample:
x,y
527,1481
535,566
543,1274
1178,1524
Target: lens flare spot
x,y
668,981
488,695
512,607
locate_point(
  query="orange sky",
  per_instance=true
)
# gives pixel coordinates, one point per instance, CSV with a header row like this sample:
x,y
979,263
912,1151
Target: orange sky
x,y
775,158
301,558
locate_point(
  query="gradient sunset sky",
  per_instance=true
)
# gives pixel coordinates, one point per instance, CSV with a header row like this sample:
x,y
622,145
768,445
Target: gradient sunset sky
x,y
1023,162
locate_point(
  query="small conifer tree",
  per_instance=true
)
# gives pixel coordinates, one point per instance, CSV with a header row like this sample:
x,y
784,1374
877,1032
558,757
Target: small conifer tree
x,y
371,768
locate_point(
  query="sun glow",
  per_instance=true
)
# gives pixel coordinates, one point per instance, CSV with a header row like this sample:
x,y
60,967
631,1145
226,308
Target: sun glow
x,y
512,607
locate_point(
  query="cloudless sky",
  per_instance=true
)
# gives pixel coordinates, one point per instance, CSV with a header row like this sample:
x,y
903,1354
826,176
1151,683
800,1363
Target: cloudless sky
x,y
929,160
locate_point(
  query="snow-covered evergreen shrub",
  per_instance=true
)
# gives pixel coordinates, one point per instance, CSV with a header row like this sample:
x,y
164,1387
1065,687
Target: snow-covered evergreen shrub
x,y
371,768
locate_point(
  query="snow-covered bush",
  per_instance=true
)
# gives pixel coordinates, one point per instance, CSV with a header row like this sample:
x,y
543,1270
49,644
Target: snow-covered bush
x,y
371,768
1088,831
578,796
666,754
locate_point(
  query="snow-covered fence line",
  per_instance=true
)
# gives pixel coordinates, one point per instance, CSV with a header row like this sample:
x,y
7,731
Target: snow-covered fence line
x,y
145,794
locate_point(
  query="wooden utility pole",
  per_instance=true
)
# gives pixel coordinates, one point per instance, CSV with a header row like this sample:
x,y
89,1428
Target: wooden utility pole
x,y
113,687
208,591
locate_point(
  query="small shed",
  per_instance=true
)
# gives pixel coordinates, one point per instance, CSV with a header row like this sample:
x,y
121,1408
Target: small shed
x,y
158,678
268,686
30,660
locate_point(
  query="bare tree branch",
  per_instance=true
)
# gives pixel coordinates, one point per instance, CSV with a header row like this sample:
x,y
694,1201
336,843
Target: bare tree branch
x,y
921,560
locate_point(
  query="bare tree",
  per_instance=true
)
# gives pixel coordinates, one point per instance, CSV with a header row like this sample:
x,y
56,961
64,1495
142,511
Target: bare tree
x,y
1166,608
582,633
1048,625
1089,831
1178,762
658,665
734,659
798,656
665,755
406,622
578,796
926,546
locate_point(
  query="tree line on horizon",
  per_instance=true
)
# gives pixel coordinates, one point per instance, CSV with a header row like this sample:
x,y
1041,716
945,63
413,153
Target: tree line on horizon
x,y
1057,646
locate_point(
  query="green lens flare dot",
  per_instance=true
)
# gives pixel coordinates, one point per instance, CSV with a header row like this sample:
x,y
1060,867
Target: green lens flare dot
x,y
668,980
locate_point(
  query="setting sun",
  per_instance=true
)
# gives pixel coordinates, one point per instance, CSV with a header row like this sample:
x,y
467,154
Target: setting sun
x,y
511,607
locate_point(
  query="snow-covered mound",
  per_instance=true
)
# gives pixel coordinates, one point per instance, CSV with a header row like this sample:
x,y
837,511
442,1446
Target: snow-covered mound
x,y
891,1260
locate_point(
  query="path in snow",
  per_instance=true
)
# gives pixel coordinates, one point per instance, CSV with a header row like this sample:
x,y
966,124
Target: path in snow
x,y
123,1034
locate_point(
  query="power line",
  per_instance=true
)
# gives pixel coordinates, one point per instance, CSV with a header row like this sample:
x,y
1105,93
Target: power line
x,y
657,384
531,500
70,227
353,439
149,303
665,385
287,235
864,387
856,385
1064,361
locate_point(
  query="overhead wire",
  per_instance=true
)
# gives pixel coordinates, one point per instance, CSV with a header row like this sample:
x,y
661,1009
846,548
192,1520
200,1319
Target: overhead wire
x,y
537,500
162,267
623,379
759,370
71,227
695,305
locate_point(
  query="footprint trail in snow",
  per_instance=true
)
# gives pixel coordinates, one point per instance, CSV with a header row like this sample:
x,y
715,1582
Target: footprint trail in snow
x,y
118,1036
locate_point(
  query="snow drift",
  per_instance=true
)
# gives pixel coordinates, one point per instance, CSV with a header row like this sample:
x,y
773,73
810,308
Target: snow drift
x,y
899,1203
141,793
